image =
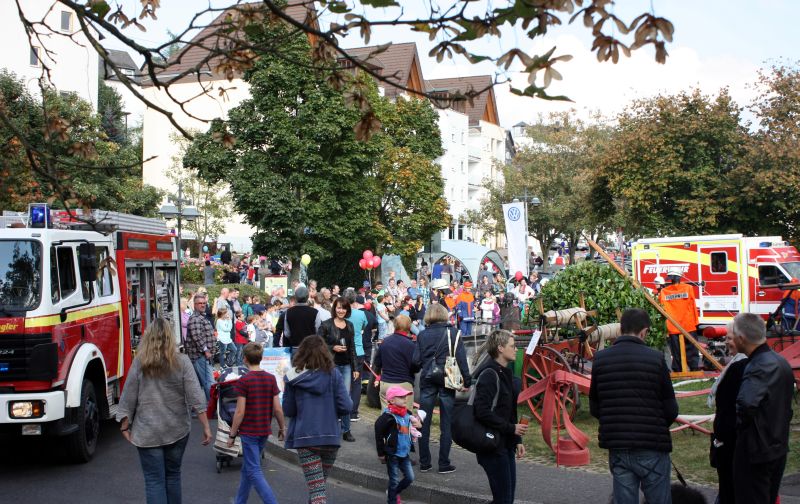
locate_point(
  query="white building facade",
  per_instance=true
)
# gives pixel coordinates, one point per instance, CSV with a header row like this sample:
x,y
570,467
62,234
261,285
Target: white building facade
x,y
72,62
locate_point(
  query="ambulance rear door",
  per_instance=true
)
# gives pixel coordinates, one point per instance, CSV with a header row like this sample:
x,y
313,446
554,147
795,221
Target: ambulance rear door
x,y
719,276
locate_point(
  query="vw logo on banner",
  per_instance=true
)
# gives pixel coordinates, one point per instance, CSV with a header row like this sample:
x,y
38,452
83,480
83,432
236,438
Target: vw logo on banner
x,y
514,214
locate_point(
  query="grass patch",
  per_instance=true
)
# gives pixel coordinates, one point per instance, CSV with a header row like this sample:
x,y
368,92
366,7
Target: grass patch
x,y
689,447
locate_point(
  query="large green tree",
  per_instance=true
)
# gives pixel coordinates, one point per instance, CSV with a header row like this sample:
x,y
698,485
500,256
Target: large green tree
x,y
558,169
667,167
64,156
302,179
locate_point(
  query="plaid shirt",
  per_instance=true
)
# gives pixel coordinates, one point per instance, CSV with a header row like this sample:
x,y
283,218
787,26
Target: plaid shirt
x,y
199,336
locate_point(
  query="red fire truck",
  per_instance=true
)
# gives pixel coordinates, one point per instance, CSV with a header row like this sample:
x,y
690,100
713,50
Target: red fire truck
x,y
730,273
76,293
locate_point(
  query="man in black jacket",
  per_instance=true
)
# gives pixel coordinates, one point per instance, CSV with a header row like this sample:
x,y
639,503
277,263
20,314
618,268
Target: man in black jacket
x,y
763,413
632,396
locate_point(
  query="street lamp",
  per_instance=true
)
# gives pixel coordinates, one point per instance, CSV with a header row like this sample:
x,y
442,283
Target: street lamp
x,y
176,208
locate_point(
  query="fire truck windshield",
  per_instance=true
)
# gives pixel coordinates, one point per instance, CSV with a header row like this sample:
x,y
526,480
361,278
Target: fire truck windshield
x,y
20,275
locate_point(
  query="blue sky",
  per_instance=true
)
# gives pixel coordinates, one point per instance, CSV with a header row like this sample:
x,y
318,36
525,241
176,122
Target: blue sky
x,y
717,43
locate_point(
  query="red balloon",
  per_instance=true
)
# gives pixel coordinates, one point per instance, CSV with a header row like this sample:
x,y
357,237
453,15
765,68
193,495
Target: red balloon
x,y
362,263
518,276
367,254
376,261
370,263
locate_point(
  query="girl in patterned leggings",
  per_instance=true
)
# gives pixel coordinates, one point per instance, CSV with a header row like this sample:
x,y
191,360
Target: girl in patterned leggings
x,y
314,398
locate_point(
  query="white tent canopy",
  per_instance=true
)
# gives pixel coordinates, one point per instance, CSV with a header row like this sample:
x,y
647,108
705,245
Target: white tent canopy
x,y
470,254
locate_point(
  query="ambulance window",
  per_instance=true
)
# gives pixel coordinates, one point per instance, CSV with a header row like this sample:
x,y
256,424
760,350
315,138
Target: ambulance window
x,y
66,271
719,262
769,274
104,286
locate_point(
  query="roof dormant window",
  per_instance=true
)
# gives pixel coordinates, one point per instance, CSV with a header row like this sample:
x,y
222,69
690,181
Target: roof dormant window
x,y
66,21
34,58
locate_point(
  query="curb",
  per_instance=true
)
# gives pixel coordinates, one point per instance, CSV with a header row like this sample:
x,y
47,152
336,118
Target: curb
x,y
373,480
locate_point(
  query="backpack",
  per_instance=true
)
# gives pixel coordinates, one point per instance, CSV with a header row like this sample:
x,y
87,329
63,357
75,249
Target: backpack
x,y
452,373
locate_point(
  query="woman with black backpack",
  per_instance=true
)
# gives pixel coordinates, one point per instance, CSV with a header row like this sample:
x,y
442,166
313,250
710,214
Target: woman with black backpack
x,y
494,385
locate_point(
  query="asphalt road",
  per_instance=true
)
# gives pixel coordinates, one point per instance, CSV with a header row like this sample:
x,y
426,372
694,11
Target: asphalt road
x,y
33,471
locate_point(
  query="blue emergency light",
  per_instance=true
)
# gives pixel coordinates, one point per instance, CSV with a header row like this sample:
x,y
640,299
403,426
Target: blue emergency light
x,y
39,215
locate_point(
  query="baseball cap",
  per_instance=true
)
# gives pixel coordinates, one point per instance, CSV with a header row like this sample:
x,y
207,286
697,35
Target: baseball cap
x,y
366,284
396,391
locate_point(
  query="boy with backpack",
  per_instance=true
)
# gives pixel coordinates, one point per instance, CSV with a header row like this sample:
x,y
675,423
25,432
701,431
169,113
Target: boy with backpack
x,y
257,403
393,441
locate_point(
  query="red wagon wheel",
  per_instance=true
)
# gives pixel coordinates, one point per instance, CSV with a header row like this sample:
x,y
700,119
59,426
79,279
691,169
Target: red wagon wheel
x,y
544,361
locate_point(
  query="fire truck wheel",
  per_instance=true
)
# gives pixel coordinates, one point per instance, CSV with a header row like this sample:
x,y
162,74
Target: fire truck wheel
x,y
81,444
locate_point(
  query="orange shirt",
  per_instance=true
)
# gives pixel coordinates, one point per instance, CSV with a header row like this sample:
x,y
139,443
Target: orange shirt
x,y
678,300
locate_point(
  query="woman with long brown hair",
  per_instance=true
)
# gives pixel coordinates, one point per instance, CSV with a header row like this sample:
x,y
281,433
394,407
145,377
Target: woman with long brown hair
x,y
159,426
314,398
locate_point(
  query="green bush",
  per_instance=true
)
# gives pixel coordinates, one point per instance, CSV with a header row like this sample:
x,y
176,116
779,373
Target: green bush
x,y
244,290
604,290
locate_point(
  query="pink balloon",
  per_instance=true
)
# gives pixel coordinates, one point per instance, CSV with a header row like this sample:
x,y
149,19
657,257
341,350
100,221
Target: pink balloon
x,y
367,254
362,263
370,263
376,261
518,276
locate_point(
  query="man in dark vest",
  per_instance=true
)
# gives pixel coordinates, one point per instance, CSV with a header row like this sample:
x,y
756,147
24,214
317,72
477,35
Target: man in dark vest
x,y
632,396
300,320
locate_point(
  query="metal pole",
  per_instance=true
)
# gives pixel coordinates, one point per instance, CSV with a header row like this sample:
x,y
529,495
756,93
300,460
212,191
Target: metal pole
x,y
178,240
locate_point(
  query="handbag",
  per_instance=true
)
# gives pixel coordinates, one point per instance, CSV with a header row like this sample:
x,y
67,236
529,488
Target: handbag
x,y
452,373
467,431
435,375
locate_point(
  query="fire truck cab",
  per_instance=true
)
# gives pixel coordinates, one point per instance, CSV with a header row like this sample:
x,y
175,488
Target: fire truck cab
x,y
76,294
730,273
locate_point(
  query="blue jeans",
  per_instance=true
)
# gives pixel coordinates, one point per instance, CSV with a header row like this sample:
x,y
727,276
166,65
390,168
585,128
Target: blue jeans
x,y
161,467
394,466
501,470
252,476
230,348
647,469
347,376
446,401
205,376
355,389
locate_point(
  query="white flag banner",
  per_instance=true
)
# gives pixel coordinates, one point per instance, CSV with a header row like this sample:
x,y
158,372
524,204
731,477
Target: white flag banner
x,y
516,234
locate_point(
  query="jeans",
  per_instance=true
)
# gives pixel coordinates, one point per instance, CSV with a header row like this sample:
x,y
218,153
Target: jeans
x,y
161,467
394,466
252,476
355,389
205,376
446,401
501,470
646,468
230,348
239,354
347,376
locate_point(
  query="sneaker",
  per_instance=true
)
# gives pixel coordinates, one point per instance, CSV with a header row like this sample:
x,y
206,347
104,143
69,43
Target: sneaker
x,y
425,467
347,436
447,469
355,418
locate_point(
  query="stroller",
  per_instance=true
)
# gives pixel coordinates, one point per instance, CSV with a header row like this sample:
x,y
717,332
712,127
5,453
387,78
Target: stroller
x,y
223,399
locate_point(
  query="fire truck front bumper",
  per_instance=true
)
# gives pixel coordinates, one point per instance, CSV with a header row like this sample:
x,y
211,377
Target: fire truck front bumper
x,y
32,408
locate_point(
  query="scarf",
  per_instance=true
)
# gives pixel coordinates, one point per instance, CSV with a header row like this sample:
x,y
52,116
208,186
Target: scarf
x,y
400,411
712,396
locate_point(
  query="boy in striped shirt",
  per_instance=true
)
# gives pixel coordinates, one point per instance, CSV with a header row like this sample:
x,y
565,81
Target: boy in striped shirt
x,y
258,402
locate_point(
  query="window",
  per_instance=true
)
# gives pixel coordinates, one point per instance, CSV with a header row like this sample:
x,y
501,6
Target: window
x,y
103,286
65,263
769,274
453,136
462,167
719,262
35,57
66,21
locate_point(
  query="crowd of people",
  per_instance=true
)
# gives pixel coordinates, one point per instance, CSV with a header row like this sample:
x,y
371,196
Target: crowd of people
x,y
413,333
